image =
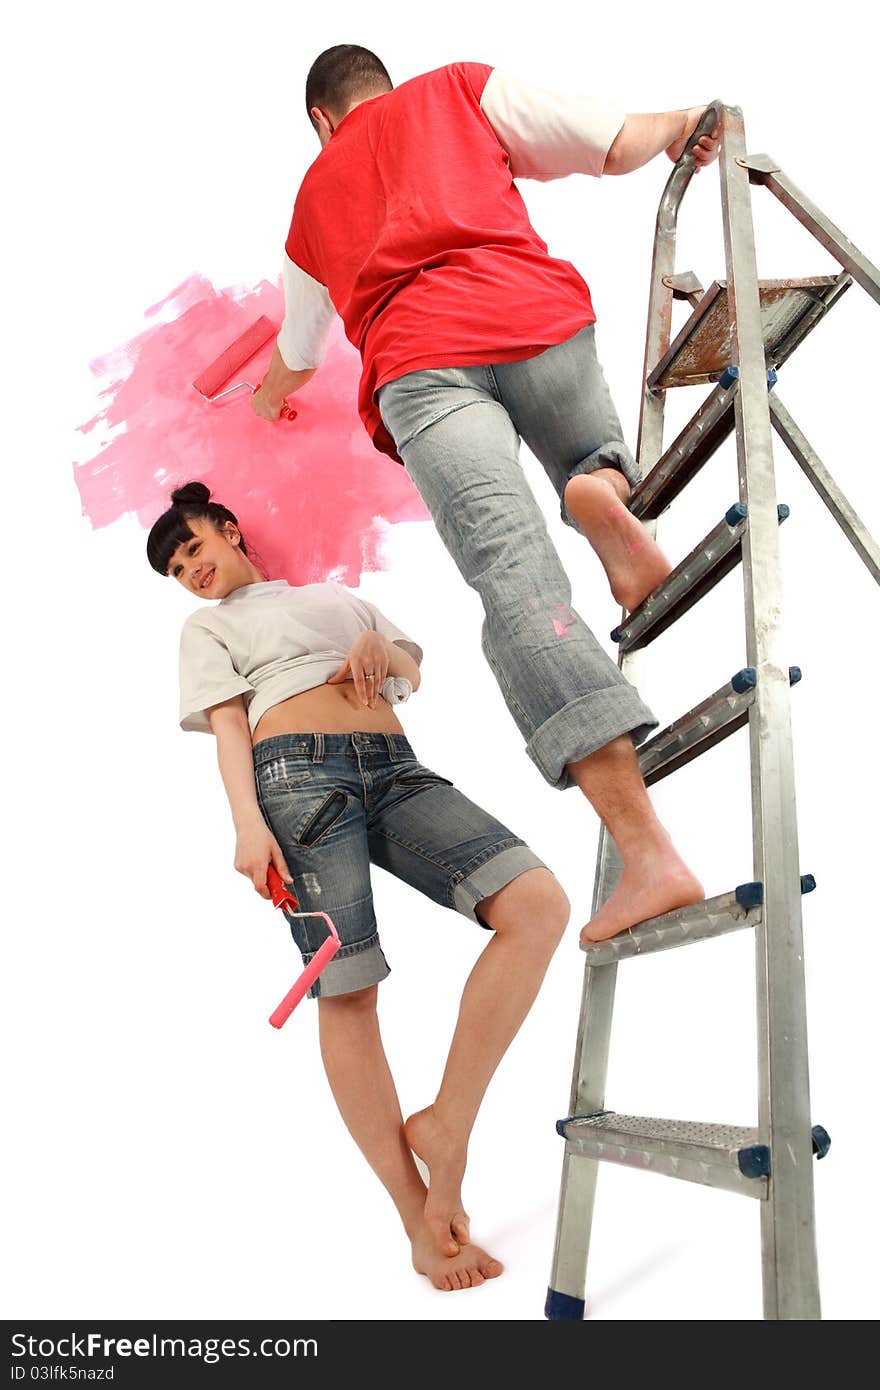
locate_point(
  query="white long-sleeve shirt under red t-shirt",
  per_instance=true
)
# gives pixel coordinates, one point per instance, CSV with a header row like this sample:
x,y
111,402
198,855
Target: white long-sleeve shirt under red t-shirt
x,y
410,227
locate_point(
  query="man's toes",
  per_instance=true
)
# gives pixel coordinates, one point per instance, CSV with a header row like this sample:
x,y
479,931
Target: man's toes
x,y
476,1278
490,1269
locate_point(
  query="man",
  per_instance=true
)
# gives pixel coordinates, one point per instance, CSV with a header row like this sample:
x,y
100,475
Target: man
x,y
409,225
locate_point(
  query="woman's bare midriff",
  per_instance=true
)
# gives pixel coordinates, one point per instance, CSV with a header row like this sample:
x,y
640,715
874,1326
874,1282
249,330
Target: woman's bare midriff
x,y
327,709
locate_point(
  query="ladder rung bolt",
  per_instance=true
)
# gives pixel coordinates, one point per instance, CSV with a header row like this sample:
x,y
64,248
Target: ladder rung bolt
x,y
744,680
754,1162
750,894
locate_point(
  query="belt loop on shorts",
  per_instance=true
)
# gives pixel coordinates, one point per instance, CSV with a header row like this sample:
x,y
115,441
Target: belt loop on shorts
x,y
392,751
318,750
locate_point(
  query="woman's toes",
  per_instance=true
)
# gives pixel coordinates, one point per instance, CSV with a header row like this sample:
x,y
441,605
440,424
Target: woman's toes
x,y
461,1228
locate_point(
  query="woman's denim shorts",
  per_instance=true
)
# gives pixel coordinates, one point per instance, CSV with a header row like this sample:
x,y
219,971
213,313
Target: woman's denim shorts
x,y
337,802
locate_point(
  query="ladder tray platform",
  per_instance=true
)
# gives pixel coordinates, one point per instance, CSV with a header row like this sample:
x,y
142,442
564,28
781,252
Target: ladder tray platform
x,y
701,352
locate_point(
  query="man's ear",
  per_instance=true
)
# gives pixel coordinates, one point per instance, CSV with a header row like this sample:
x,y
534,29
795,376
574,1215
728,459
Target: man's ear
x,y
323,123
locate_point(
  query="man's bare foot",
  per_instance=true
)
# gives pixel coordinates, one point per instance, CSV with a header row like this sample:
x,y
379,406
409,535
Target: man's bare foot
x,y
445,1161
656,883
470,1267
632,560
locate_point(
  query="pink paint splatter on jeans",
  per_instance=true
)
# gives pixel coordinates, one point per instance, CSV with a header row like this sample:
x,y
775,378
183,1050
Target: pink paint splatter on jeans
x,y
313,496
560,627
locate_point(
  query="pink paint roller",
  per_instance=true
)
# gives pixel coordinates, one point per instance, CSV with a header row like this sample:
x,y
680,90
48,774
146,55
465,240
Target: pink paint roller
x,y
233,359
283,898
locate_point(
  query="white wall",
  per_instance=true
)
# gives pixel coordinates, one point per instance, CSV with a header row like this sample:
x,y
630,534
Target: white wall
x,y
171,1155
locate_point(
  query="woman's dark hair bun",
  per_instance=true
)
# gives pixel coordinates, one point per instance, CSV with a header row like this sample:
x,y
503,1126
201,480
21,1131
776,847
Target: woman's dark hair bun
x,y
188,503
190,494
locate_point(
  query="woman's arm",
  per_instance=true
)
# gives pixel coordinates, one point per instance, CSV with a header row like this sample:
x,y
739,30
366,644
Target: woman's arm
x,y
255,845
400,663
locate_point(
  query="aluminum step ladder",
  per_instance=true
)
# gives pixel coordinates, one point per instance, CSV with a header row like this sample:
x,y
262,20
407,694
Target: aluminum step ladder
x,y
739,333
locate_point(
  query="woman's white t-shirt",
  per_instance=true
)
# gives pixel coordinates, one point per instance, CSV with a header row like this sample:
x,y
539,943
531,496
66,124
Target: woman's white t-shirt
x,y
269,641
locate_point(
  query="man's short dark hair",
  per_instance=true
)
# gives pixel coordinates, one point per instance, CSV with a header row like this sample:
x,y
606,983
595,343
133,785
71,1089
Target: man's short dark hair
x,y
344,74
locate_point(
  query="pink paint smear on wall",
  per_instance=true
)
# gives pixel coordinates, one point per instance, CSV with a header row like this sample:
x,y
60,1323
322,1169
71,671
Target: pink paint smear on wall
x,y
313,497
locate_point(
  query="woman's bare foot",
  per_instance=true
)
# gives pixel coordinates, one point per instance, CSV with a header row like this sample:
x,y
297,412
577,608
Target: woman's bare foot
x,y
470,1267
445,1160
632,560
655,883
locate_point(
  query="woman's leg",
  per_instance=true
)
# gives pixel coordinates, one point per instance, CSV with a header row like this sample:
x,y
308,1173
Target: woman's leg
x,y
311,791
363,1088
528,918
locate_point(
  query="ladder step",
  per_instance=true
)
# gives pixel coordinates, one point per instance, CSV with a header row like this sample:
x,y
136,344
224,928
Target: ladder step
x,y
728,1156
713,917
705,432
715,556
715,1155
716,718
702,349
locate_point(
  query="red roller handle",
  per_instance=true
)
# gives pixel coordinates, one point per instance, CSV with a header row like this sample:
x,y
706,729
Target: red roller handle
x,y
281,894
283,898
287,411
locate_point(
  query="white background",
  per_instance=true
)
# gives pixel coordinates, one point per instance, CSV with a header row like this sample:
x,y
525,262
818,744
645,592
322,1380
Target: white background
x,y
168,1153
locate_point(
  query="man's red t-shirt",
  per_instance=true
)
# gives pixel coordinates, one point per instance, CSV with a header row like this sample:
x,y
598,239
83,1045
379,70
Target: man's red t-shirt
x,y
410,218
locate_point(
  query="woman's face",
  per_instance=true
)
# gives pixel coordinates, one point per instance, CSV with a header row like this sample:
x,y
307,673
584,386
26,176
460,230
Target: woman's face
x,y
211,564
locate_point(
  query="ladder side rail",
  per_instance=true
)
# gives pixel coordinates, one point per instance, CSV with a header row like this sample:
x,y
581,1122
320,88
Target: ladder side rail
x,y
791,1289
580,1173
659,332
840,508
764,170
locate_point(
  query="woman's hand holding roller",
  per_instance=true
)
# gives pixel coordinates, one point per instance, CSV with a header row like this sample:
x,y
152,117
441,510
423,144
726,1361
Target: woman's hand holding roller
x,y
367,665
255,849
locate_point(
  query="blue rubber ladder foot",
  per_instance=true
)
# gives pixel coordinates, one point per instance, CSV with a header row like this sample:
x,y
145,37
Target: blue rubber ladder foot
x,y
562,1307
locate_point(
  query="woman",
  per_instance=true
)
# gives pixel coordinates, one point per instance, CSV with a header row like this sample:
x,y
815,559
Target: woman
x,y
321,780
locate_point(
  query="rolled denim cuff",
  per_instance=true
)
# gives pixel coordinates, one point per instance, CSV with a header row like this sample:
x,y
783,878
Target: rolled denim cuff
x,y
584,726
614,454
491,877
352,968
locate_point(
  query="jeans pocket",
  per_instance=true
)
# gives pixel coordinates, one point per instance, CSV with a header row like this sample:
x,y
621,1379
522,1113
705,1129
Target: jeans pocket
x,y
296,818
421,777
319,821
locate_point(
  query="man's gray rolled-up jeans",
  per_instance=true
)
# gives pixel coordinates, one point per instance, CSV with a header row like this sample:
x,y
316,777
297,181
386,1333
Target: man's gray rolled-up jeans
x,y
458,430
